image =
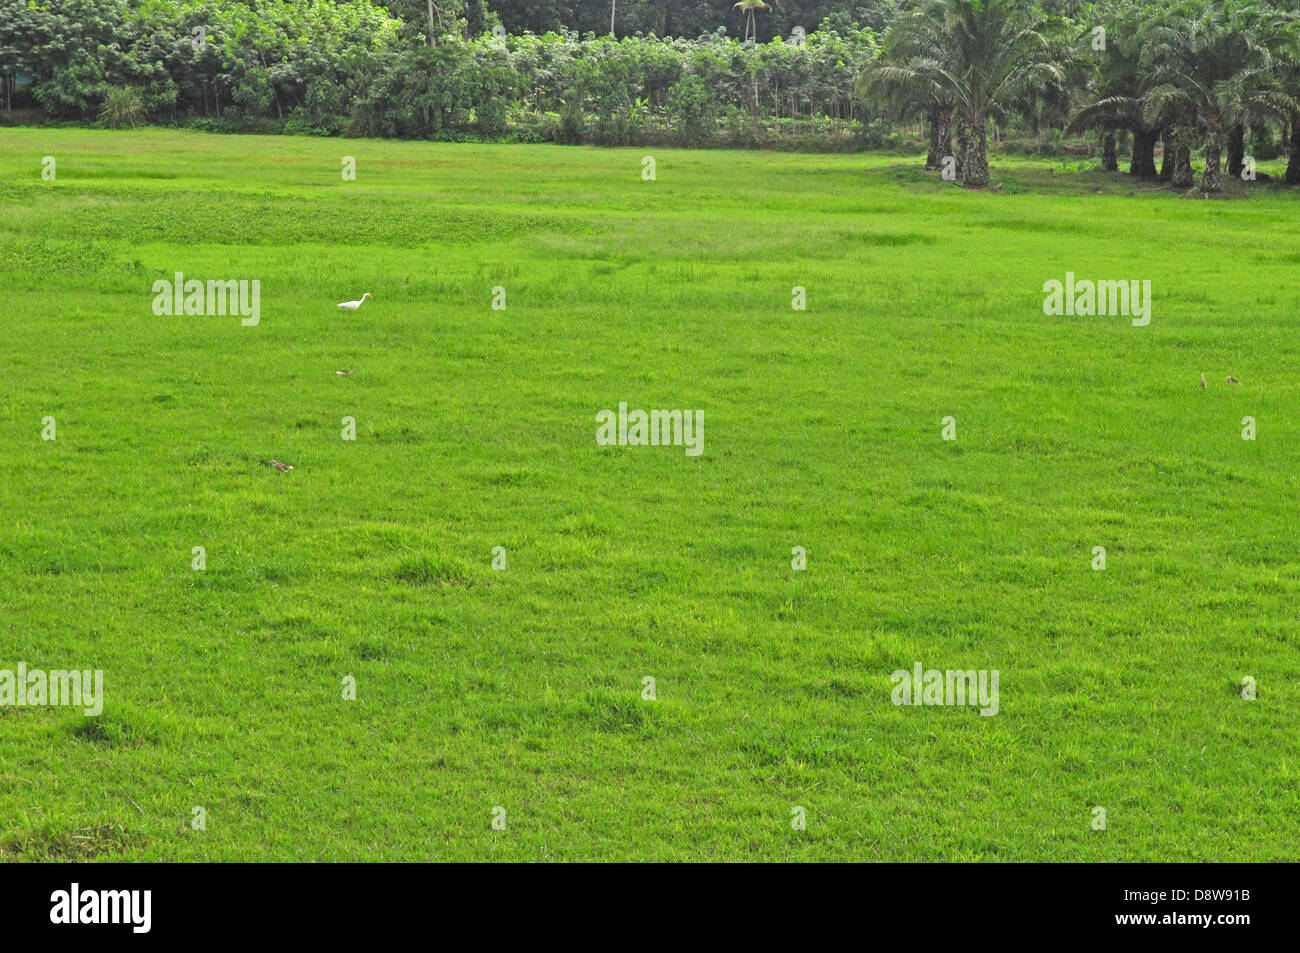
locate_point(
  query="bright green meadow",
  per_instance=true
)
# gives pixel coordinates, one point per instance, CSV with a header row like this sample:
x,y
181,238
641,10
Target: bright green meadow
x,y
522,688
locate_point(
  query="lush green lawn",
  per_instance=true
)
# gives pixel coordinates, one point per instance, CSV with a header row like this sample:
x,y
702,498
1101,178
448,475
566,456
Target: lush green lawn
x,y
476,428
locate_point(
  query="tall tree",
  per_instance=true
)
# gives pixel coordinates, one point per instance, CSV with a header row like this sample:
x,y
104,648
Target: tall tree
x,y
1218,61
908,98
981,54
1117,92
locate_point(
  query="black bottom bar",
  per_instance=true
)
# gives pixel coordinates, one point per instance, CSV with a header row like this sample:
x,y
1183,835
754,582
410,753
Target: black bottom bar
x,y
1221,903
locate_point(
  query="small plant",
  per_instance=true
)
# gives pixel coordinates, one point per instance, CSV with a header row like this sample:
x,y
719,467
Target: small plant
x,y
122,106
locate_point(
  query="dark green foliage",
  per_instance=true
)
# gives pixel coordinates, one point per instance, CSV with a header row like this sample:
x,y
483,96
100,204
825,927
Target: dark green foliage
x,y
960,73
327,68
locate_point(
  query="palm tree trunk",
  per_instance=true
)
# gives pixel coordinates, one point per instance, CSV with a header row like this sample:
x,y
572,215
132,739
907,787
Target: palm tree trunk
x,y
1212,177
1236,149
975,173
1166,155
1109,160
1182,177
1293,161
945,133
940,121
1142,163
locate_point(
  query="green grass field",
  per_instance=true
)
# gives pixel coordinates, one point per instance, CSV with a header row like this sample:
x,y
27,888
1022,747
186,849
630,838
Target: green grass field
x,y
475,428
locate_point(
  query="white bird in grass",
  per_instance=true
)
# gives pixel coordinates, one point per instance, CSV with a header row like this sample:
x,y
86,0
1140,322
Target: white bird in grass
x,y
353,305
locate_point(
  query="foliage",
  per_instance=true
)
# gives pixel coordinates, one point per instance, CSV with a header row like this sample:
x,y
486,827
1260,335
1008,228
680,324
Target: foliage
x,y
333,68
1193,76
122,106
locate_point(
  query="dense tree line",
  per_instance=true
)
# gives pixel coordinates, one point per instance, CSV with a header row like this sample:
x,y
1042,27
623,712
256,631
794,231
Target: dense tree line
x,y
1192,80
417,70
160,60
685,18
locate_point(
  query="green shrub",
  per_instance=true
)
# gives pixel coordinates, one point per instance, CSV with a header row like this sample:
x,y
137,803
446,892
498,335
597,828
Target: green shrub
x,y
122,106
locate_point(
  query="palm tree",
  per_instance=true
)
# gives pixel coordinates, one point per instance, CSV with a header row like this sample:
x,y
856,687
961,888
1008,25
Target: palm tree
x,y
1215,61
906,99
1117,100
979,54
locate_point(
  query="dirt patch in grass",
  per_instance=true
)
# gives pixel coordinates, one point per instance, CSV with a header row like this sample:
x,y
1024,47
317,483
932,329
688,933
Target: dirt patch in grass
x,y
82,843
